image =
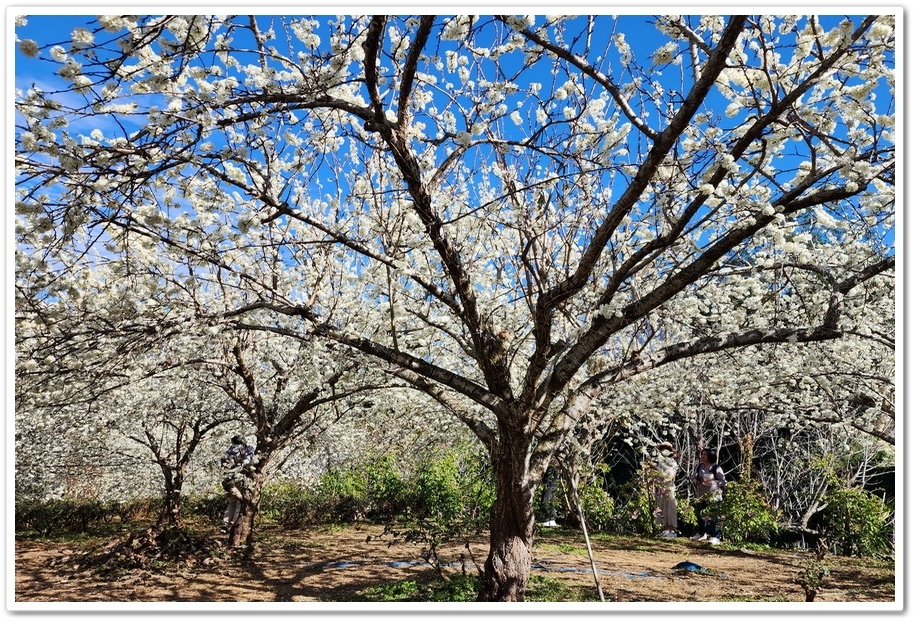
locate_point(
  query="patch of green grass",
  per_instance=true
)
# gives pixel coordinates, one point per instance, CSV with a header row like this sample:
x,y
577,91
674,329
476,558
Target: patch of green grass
x,y
543,589
464,588
865,563
405,590
458,588
639,547
757,598
563,548
753,547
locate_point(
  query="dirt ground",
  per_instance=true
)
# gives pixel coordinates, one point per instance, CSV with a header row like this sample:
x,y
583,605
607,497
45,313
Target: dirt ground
x,y
326,565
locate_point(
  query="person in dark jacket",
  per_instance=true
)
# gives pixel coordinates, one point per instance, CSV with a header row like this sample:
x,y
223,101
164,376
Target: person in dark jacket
x,y
236,457
709,480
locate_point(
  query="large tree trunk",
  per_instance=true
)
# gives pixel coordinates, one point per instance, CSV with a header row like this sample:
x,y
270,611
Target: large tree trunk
x,y
173,477
508,564
242,531
171,508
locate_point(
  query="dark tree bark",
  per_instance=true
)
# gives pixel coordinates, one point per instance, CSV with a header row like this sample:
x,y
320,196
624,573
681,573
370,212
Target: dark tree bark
x,y
242,532
508,564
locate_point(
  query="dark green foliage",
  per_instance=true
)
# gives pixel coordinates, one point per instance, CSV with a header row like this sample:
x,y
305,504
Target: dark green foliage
x,y
627,508
69,516
450,498
445,493
288,503
744,515
210,508
372,490
597,506
686,513
858,522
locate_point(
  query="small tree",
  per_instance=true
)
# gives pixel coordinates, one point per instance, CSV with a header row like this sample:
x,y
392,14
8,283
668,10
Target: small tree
x,y
814,575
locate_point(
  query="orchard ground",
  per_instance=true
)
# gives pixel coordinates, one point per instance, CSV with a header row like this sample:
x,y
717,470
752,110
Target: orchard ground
x,y
351,563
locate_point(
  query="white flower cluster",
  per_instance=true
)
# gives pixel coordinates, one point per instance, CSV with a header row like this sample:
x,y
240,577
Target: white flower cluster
x,y
457,28
29,47
304,29
115,23
82,37
520,22
665,54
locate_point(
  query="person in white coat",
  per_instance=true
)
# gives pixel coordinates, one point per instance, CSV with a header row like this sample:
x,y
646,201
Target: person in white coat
x,y
666,467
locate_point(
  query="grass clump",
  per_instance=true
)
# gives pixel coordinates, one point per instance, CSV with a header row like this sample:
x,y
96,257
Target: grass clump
x,y
464,588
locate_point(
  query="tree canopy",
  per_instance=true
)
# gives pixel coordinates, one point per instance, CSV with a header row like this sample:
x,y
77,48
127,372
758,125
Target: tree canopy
x,y
512,213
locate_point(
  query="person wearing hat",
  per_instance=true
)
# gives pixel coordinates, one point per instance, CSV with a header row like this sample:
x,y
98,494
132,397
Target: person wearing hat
x,y
237,456
665,501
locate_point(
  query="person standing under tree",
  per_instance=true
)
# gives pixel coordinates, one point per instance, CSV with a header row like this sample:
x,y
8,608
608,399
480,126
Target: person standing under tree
x,y
710,483
237,456
663,490
548,493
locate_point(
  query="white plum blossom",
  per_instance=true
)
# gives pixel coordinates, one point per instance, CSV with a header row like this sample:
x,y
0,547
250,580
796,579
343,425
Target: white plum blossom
x,y
82,36
664,54
29,47
520,22
58,53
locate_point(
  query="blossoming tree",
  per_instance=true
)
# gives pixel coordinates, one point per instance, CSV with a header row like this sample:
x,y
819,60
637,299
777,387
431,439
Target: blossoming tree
x,y
518,211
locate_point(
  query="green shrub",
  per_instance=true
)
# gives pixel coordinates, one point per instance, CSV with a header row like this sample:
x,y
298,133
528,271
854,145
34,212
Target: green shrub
x,y
857,521
436,489
374,490
288,503
341,495
597,505
450,497
744,515
208,507
686,513
386,491
69,516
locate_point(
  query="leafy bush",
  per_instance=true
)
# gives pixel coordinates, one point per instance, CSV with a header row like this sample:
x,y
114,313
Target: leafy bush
x,y
744,515
857,521
686,513
450,497
209,507
386,490
78,516
288,503
374,490
597,505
